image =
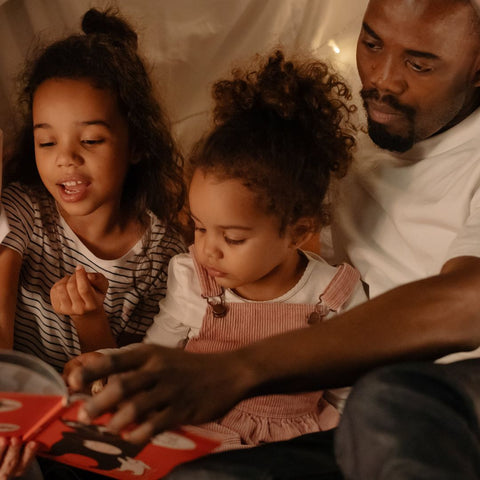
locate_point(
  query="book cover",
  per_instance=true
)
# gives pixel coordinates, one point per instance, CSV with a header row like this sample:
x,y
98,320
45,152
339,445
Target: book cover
x,y
35,405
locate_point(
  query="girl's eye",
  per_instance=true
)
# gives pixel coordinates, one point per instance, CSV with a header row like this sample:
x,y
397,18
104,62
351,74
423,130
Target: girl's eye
x,y
231,241
92,142
199,229
45,144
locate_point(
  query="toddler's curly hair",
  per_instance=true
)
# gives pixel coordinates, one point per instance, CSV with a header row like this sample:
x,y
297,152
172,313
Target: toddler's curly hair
x,y
284,129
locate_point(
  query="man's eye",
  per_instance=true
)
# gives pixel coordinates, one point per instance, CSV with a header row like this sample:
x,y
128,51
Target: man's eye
x,y
371,43
416,67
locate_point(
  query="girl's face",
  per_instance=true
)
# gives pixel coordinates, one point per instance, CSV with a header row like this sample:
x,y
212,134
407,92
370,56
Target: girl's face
x,y
239,244
81,147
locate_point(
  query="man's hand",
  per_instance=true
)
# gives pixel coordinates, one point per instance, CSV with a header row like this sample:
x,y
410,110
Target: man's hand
x,y
80,293
160,388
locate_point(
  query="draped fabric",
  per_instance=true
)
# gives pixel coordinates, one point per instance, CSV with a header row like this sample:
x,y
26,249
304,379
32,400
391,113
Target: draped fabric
x,y
188,44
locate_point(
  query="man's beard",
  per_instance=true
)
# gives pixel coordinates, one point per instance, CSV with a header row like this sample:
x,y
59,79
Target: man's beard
x,y
378,132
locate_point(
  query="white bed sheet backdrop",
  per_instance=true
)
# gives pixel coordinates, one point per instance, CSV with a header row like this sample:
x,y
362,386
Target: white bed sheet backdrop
x,y
188,44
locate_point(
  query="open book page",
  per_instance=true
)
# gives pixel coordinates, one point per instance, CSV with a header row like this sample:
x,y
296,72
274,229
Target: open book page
x,y
93,448
4,229
31,394
34,404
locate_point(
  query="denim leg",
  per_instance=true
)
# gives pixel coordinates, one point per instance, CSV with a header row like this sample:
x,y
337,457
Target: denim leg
x,y
415,421
303,458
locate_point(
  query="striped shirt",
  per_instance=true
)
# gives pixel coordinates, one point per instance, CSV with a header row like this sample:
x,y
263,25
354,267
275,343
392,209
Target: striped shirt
x,y
51,250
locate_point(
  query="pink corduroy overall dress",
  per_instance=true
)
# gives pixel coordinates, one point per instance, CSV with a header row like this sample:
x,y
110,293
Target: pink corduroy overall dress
x,y
272,417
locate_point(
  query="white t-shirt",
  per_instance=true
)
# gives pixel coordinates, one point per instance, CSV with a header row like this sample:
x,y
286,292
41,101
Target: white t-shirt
x,y
400,217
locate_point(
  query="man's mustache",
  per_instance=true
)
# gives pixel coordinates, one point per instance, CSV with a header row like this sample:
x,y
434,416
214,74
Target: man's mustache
x,y
389,100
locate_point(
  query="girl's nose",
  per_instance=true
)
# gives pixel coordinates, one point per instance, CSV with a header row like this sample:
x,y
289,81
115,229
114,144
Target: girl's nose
x,y
67,156
211,249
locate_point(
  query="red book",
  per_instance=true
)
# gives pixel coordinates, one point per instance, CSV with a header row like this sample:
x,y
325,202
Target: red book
x,y
35,405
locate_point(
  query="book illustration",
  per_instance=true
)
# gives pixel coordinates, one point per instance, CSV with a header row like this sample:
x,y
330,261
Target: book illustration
x,y
34,404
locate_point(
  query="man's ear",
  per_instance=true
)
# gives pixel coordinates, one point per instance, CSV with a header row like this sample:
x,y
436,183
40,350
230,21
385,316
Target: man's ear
x,y
302,231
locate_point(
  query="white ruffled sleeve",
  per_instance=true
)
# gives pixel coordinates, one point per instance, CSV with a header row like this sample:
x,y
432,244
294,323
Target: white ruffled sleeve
x,y
182,309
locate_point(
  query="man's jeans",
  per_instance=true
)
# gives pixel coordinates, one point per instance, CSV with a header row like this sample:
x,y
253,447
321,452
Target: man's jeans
x,y
307,457
415,421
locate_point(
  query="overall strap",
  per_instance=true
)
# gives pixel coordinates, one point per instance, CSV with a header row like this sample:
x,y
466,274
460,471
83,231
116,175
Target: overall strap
x,y
340,288
338,291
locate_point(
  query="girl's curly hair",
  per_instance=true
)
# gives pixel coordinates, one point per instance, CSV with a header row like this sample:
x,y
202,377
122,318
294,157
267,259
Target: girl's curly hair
x,y
106,55
284,129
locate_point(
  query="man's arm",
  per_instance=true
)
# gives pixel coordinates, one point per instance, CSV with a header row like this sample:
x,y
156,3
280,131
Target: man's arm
x,y
421,320
425,319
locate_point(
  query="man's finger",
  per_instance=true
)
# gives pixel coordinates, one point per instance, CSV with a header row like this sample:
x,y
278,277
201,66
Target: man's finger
x,y
118,389
147,429
106,365
138,407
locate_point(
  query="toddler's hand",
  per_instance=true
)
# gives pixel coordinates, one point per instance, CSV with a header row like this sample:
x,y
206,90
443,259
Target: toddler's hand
x,y
80,293
93,388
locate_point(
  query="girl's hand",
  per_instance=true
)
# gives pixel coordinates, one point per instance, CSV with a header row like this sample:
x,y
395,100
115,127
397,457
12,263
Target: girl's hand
x,y
15,457
81,296
80,293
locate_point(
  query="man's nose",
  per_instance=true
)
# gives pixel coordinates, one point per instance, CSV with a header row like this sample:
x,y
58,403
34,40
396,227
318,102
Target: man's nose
x,y
386,75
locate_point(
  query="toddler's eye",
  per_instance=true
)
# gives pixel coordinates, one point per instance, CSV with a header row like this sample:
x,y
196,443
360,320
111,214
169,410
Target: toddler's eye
x,y
92,142
45,144
231,241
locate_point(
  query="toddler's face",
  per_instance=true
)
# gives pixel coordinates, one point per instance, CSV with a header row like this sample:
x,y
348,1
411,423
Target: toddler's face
x,y
81,146
237,242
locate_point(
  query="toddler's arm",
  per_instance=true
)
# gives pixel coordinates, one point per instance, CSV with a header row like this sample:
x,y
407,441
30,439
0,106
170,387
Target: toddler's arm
x,y
81,296
182,309
10,265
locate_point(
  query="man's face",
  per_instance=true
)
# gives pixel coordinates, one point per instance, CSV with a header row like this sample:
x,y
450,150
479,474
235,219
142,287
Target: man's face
x,y
419,64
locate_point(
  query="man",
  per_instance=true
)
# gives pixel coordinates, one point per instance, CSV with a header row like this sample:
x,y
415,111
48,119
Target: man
x,y
410,226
